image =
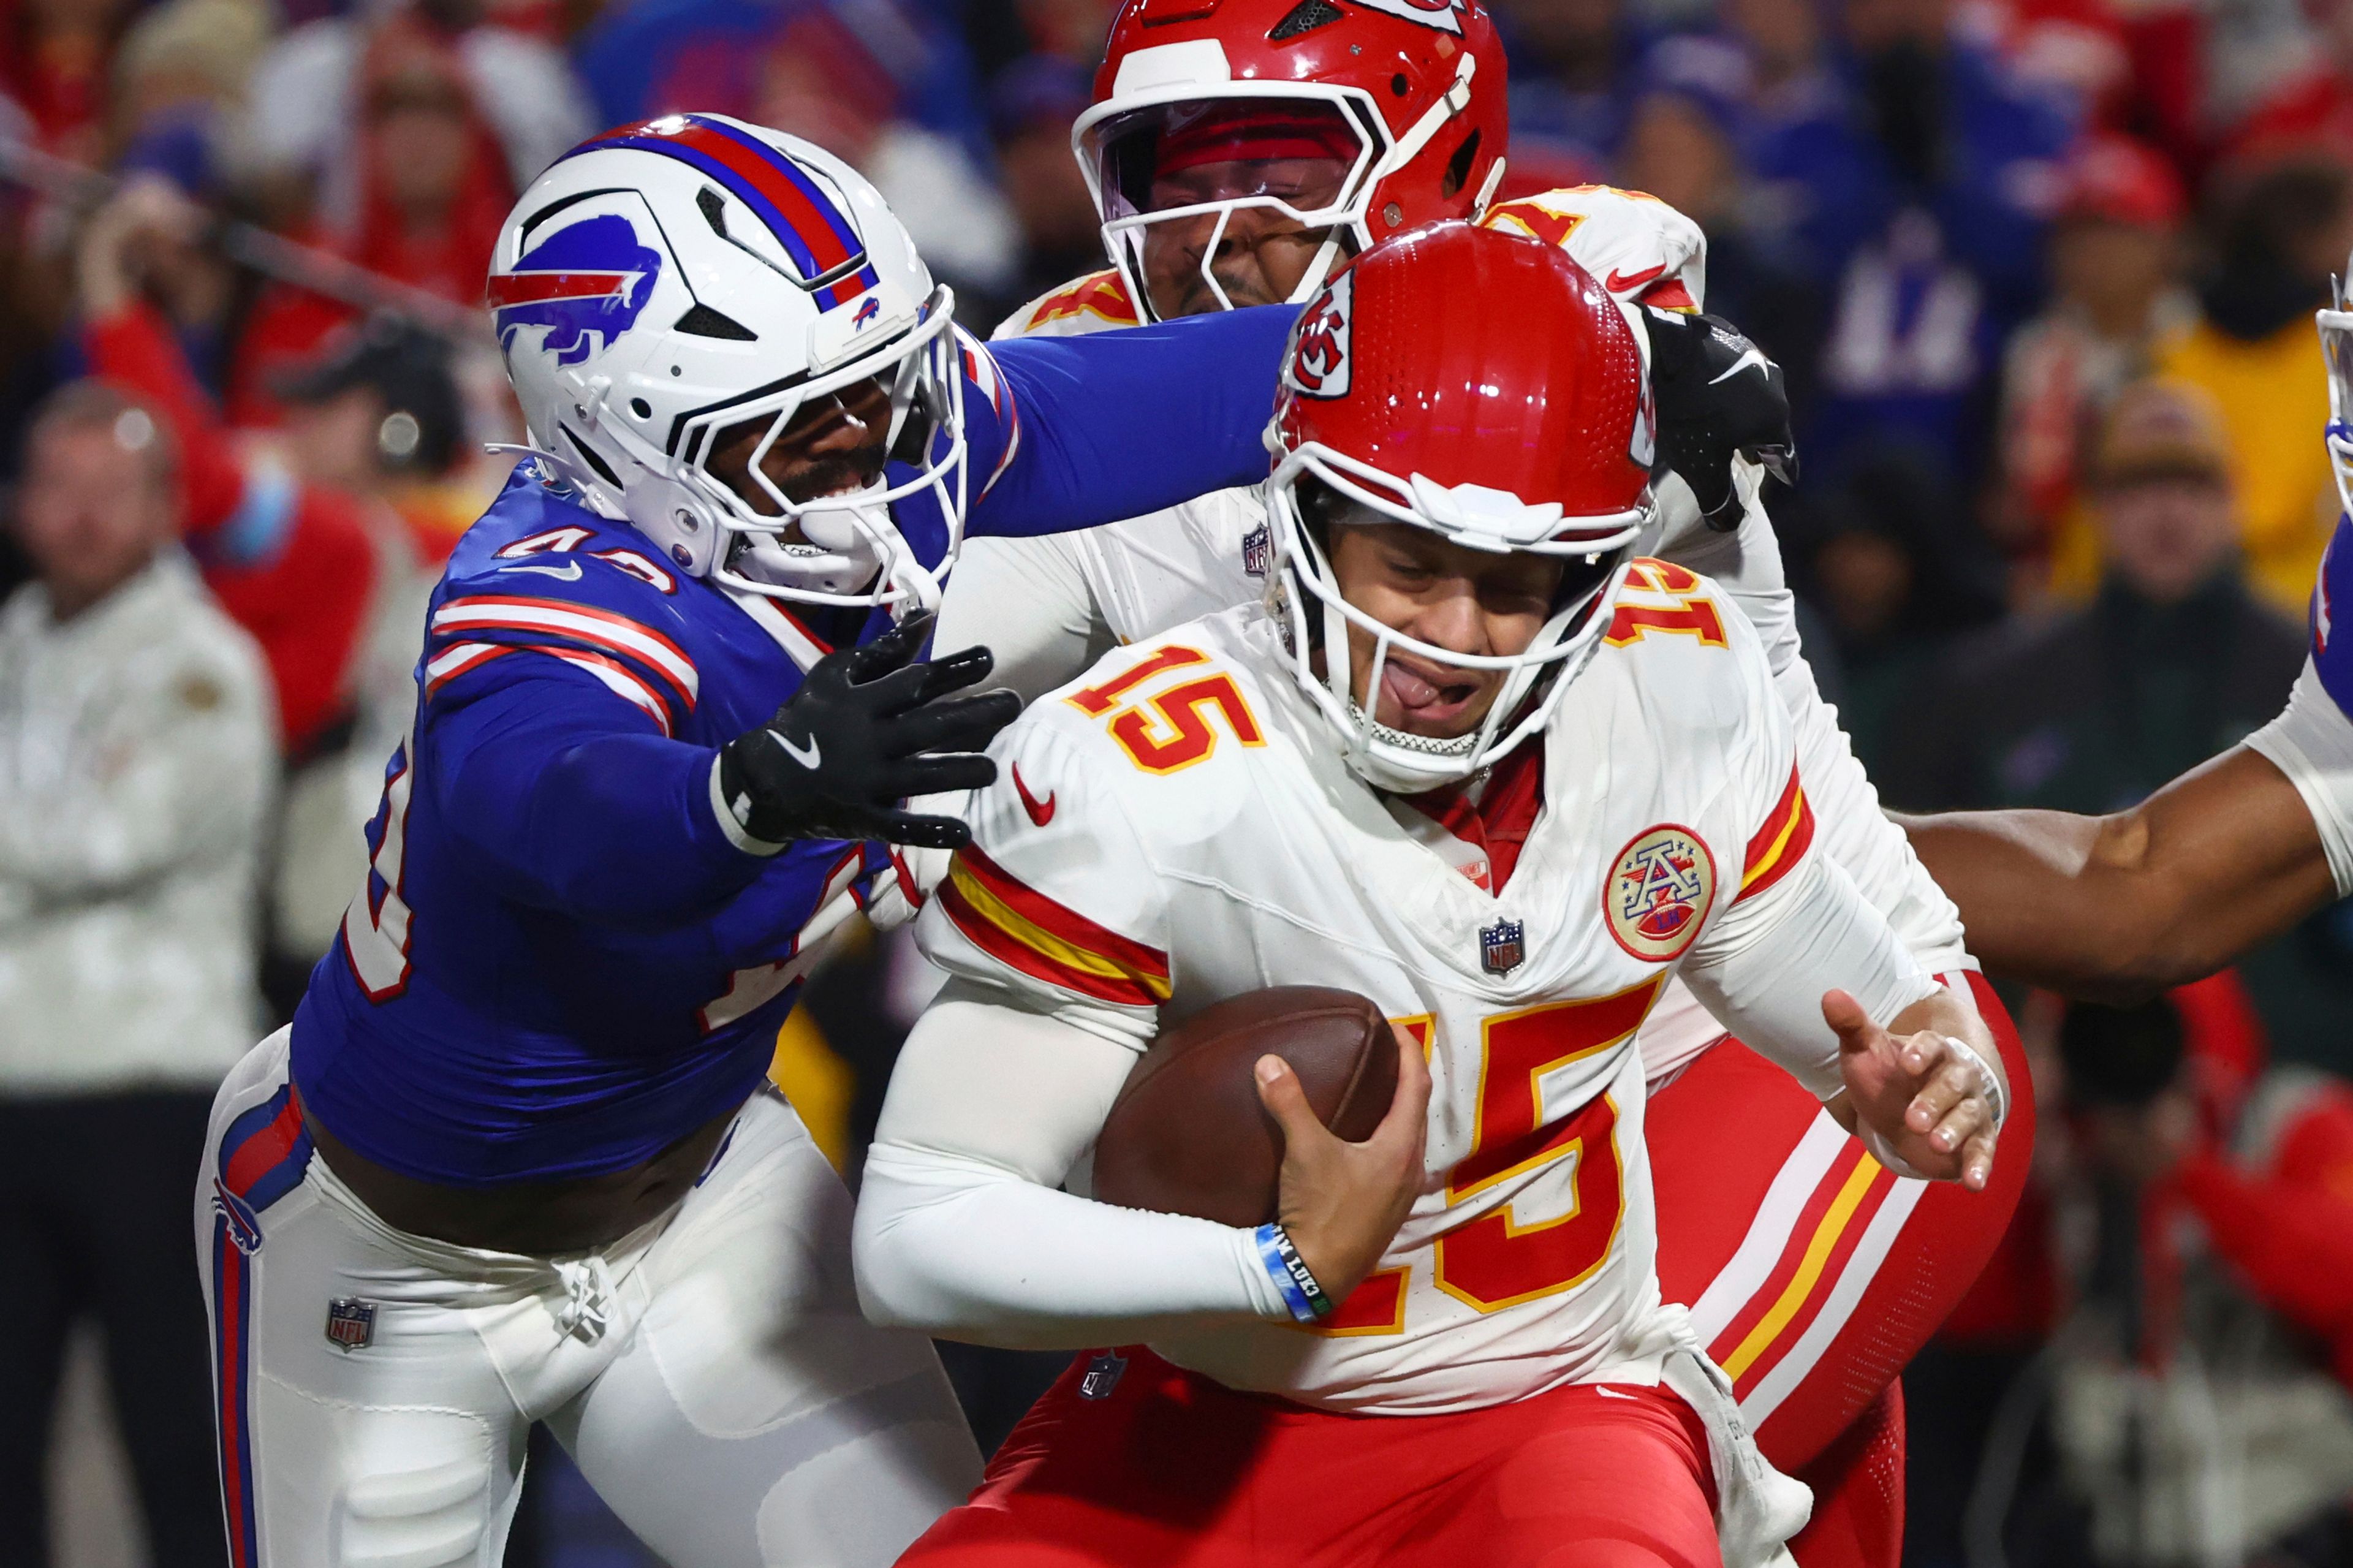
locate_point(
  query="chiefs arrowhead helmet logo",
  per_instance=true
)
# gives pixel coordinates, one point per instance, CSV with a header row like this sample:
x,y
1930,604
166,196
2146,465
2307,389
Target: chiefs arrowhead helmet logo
x,y
1318,365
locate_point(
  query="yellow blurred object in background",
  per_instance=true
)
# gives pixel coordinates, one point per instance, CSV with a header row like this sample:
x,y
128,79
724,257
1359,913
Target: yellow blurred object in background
x,y
819,1083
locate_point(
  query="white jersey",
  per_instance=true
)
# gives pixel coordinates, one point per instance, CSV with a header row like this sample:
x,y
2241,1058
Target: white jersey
x,y
1180,828
1048,606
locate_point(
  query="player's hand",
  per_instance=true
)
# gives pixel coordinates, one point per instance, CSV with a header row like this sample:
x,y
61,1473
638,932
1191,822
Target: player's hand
x,y
1717,395
107,272
1341,1202
869,727
1913,1098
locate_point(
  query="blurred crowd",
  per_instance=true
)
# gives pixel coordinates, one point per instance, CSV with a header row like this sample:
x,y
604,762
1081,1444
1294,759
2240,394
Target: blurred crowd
x,y
2041,273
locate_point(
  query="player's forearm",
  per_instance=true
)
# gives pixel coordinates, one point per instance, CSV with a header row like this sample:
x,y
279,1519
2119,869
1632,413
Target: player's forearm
x,y
960,1250
1765,983
1115,425
606,825
960,1231
2120,907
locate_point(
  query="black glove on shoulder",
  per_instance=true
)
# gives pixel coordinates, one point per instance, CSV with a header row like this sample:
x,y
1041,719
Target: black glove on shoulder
x,y
868,728
1718,394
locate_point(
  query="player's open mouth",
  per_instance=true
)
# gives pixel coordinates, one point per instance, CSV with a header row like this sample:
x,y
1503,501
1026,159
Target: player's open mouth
x,y
1419,697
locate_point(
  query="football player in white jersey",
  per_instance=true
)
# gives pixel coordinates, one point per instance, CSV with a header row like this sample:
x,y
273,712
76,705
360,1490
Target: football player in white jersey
x,y
1464,670
1233,154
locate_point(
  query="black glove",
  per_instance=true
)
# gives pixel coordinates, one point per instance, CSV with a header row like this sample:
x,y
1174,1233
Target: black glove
x,y
867,729
1718,394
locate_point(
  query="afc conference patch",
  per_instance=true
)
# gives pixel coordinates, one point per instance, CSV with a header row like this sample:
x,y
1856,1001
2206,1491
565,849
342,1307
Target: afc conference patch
x,y
351,1323
1503,947
1659,893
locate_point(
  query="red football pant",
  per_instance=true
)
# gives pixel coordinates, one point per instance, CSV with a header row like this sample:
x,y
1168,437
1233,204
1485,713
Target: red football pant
x,y
1812,1274
1167,1470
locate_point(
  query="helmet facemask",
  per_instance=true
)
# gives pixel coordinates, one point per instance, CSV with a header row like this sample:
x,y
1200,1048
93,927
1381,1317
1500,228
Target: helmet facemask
x,y
1315,490
842,548
2336,351
1312,152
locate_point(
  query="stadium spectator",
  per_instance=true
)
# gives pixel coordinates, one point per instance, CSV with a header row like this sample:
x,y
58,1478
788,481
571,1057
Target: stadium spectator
x,y
2118,300
1915,189
291,563
2171,661
416,195
1032,107
2279,233
53,62
310,110
804,68
1573,81
135,765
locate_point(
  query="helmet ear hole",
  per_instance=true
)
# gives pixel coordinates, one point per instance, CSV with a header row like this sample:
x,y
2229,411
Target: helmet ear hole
x,y
1458,167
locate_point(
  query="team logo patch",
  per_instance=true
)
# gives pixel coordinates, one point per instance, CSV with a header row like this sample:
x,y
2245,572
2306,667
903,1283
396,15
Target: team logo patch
x,y
244,1224
1103,1371
1318,366
585,283
1258,551
351,1323
1659,893
1503,947
1443,15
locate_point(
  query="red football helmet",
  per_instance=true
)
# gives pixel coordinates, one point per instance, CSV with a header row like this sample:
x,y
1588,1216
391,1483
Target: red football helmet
x,y
1483,385
1362,117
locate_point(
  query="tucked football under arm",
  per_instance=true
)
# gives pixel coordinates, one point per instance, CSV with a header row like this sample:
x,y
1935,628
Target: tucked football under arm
x,y
1764,964
961,1230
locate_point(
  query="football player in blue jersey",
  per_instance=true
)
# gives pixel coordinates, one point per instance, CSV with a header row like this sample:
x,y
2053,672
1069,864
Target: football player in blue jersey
x,y
2226,856
515,1160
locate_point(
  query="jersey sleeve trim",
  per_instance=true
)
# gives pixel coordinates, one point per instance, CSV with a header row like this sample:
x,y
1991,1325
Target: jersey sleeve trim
x,y
599,629
1781,843
1025,931
980,369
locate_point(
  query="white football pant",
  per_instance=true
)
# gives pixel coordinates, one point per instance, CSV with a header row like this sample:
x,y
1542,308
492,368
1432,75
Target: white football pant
x,y
710,1373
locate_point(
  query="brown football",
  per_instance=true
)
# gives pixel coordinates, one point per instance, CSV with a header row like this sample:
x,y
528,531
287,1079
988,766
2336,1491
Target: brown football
x,y
1187,1134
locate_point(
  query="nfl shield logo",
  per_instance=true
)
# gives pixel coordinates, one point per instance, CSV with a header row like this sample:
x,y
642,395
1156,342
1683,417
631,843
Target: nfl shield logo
x,y
1103,1370
1501,946
1256,549
351,1323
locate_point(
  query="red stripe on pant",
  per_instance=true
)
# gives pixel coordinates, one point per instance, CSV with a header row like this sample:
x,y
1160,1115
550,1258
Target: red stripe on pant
x,y
232,1320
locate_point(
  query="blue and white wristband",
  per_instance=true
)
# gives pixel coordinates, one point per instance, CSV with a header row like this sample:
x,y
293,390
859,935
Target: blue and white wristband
x,y
1300,1293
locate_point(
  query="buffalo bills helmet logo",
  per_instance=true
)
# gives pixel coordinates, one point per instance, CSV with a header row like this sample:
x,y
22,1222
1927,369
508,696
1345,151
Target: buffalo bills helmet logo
x,y
1319,362
867,312
585,283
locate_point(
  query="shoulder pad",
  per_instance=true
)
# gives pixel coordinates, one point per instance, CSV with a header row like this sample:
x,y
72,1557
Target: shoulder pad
x,y
1091,304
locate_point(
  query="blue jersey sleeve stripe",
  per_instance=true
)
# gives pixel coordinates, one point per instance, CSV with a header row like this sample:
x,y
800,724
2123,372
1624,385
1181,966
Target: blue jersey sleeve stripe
x,y
980,370
479,613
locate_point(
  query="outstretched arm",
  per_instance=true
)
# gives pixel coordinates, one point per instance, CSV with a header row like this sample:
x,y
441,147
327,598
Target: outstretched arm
x,y
1089,430
2117,908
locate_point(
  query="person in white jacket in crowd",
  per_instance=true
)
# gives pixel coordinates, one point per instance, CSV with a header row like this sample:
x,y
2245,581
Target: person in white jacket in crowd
x,y
137,754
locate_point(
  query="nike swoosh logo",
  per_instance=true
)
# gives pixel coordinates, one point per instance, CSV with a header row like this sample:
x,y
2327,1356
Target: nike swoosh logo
x,y
568,572
1754,356
1040,812
807,756
1619,282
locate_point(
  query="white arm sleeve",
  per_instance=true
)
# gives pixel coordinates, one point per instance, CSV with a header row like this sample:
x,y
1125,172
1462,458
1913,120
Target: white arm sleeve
x,y
1761,968
2312,742
1027,601
1849,824
960,1231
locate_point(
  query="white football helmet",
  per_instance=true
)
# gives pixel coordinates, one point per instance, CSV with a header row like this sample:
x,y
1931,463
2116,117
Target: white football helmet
x,y
666,284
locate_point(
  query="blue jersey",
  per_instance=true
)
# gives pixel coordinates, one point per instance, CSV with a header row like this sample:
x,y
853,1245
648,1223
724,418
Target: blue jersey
x,y
2332,598
562,960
